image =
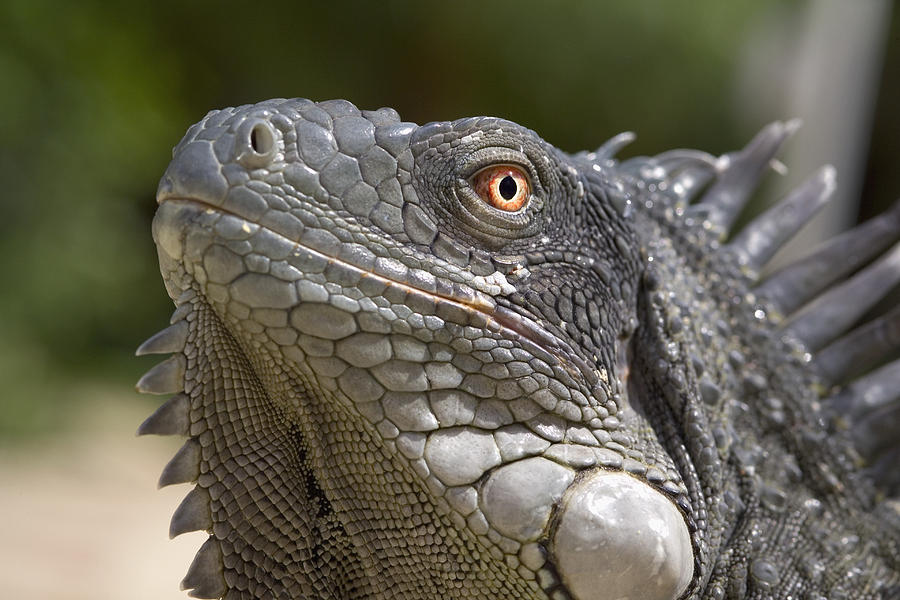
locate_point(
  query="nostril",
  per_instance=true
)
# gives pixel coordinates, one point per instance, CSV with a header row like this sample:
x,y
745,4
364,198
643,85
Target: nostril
x,y
256,143
261,140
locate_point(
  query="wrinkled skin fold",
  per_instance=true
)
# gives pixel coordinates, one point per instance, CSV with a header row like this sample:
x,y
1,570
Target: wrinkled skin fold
x,y
394,385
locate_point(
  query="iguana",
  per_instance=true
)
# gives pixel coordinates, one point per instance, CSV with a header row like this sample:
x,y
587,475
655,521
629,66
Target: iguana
x,y
453,361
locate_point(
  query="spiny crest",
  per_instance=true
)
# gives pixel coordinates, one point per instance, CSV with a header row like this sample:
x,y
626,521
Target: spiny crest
x,y
818,300
205,577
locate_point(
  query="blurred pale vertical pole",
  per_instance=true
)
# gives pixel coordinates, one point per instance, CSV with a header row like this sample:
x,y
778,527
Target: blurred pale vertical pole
x,y
828,63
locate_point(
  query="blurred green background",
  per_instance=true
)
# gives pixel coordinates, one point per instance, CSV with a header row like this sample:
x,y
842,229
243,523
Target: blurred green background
x,y
95,94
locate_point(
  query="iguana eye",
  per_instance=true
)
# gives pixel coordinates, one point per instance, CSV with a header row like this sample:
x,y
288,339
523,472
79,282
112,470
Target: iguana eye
x,y
502,186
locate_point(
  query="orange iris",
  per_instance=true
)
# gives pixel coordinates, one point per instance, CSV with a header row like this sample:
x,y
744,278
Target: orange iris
x,y
504,187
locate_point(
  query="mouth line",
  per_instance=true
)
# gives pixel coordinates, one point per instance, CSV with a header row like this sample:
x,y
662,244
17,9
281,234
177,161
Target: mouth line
x,y
495,316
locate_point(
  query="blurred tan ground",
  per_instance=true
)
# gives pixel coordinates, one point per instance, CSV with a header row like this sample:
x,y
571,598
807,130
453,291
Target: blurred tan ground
x,y
80,516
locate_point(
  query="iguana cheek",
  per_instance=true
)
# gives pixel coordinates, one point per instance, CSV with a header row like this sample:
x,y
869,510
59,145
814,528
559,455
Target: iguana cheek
x,y
617,537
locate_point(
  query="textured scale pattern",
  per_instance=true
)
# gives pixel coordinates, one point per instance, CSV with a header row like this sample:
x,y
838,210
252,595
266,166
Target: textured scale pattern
x,y
392,389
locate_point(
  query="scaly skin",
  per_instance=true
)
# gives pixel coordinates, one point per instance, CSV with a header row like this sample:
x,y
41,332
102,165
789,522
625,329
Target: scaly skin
x,y
393,389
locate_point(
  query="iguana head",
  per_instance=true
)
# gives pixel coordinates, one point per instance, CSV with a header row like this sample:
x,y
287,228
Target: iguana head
x,y
451,305
435,361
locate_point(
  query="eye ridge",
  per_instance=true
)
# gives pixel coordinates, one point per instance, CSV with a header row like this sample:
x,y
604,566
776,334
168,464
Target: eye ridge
x,y
504,187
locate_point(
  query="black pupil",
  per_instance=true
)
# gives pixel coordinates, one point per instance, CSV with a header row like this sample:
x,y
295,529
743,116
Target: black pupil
x,y
508,187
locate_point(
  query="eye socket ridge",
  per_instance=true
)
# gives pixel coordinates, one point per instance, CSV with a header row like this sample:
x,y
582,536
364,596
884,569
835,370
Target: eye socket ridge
x,y
505,187
491,223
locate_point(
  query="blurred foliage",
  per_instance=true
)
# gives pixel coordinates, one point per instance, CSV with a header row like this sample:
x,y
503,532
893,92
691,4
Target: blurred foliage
x,y
881,184
97,92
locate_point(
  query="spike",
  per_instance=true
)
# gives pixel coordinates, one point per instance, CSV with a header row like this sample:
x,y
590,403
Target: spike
x,y
634,164
886,474
877,389
192,514
876,433
741,172
165,378
172,418
838,308
794,285
613,145
205,576
675,160
760,240
180,313
185,297
169,340
688,182
861,349
184,466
